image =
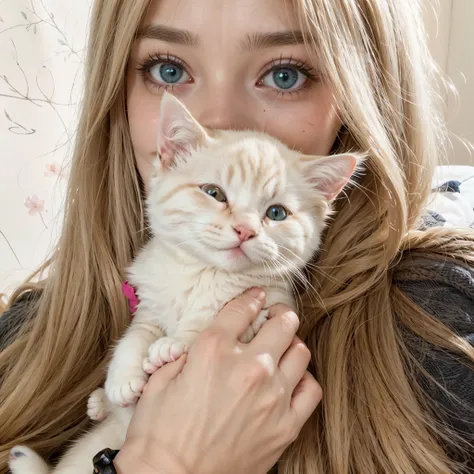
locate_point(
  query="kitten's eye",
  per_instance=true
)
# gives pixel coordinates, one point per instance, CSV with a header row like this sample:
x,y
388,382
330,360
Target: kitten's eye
x,y
277,213
215,192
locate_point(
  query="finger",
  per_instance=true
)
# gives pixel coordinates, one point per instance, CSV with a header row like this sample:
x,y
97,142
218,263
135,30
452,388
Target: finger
x,y
306,398
238,314
164,375
278,332
294,362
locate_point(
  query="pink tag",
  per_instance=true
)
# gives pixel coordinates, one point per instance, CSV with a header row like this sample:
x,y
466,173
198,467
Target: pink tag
x,y
129,292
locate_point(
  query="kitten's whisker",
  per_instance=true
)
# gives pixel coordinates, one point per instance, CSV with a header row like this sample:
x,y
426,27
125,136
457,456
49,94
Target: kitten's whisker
x,y
297,273
278,270
313,266
296,293
184,242
352,184
266,268
292,253
319,266
194,232
148,227
364,191
320,269
292,264
192,222
289,277
266,265
328,276
301,277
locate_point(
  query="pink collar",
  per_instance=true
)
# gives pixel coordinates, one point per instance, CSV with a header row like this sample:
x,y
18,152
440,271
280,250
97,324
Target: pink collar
x,y
130,293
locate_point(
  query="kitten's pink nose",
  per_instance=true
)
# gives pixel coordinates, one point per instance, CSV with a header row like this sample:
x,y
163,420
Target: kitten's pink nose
x,y
244,232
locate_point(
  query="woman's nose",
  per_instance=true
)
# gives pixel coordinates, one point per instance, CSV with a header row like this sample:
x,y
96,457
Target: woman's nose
x,y
224,109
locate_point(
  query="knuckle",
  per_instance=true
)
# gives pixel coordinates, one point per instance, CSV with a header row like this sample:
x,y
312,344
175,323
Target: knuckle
x,y
273,400
276,309
243,302
313,389
210,341
270,402
304,352
317,391
234,307
289,322
249,305
242,307
255,375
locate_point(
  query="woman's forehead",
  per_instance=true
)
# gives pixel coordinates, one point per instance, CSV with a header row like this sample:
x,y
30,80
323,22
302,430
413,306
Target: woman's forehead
x,y
220,19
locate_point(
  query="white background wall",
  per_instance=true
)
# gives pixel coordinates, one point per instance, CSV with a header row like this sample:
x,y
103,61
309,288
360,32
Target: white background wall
x,y
41,44
451,33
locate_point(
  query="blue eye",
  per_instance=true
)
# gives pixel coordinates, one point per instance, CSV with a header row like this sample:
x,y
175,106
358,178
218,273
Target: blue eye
x,y
277,213
285,78
171,73
168,73
215,192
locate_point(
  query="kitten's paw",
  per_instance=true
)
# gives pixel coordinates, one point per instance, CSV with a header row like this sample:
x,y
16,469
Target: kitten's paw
x,y
125,389
148,367
164,350
253,329
23,460
98,406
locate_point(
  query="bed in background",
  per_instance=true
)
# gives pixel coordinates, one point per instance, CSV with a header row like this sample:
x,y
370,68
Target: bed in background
x,y
453,195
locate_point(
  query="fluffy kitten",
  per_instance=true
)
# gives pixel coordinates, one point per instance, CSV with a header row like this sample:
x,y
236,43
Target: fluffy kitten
x,y
229,210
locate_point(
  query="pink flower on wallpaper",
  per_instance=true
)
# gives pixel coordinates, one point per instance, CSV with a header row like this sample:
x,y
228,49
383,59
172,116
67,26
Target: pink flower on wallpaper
x,y
34,204
54,169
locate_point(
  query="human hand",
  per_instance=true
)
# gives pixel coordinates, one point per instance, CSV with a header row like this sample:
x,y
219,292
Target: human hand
x,y
226,406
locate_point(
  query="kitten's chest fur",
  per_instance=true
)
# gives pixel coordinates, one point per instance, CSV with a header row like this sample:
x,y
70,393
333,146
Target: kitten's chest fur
x,y
171,289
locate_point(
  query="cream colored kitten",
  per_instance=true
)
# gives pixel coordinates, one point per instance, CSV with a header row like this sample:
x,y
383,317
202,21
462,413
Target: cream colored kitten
x,y
229,210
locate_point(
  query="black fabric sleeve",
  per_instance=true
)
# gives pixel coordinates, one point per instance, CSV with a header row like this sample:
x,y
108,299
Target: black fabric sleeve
x,y
445,290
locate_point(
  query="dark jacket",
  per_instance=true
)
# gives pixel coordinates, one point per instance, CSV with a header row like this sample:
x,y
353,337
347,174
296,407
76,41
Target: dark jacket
x,y
443,289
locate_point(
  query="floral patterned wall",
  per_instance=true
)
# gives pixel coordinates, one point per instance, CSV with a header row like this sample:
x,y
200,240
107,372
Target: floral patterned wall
x,y
41,47
41,59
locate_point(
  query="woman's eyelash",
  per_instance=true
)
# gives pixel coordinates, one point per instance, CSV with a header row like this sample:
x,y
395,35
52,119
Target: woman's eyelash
x,y
153,59
301,66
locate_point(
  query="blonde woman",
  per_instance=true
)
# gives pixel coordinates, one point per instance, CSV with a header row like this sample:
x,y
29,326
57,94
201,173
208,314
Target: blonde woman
x,y
391,331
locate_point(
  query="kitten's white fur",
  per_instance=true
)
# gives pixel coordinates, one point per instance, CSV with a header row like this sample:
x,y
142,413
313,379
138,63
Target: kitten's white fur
x,y
194,265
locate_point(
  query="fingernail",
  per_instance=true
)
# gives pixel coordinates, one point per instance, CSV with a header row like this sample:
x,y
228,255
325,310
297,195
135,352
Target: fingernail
x,y
257,293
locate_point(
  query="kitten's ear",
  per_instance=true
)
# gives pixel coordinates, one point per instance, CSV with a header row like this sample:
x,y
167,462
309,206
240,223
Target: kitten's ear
x,y
330,174
178,131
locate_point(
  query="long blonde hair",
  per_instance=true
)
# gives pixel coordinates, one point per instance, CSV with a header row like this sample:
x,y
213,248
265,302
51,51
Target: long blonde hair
x,y
373,418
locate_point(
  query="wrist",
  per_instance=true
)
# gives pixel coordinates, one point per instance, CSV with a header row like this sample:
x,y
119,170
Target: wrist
x,y
133,460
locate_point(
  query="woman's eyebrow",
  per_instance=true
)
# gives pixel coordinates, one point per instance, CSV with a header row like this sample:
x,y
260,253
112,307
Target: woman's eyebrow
x,y
251,42
255,41
168,34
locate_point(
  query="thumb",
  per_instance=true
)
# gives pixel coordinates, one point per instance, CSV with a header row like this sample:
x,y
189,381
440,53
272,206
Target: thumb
x,y
164,375
238,314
